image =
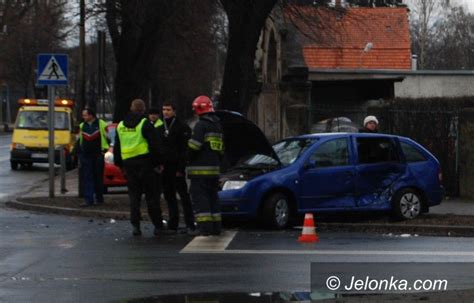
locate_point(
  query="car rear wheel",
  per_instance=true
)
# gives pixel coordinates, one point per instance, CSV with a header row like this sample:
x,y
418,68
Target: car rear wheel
x,y
276,211
14,165
407,204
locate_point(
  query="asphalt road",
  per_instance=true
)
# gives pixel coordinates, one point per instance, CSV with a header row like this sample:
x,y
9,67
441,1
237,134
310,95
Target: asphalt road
x,y
16,182
45,258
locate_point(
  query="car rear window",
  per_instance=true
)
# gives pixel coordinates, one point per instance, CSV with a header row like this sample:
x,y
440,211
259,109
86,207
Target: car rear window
x,y
412,154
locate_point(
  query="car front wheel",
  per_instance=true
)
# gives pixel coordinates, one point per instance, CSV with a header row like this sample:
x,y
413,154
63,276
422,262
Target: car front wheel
x,y
14,165
407,204
276,211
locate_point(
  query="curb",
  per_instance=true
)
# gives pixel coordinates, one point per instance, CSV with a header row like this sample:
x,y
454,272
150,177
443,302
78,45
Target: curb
x,y
430,230
118,215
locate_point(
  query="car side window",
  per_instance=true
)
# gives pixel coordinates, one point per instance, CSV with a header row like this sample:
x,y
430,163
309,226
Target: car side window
x,y
376,150
331,153
412,154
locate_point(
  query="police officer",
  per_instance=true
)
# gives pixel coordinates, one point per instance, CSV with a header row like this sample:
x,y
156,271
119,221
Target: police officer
x,y
137,151
92,144
205,150
175,134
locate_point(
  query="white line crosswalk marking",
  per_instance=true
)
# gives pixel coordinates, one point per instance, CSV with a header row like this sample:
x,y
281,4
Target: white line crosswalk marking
x,y
210,244
218,245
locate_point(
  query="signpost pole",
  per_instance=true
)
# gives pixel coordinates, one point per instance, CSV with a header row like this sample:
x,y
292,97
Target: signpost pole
x,y
52,71
51,93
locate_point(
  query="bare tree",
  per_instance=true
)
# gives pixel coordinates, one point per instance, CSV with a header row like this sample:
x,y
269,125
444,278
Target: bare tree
x,y
187,58
39,26
452,45
423,15
246,20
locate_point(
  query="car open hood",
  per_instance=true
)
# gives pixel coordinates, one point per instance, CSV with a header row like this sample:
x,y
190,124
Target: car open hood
x,y
242,138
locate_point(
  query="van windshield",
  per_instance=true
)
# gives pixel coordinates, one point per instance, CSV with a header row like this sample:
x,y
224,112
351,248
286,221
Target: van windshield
x,y
38,120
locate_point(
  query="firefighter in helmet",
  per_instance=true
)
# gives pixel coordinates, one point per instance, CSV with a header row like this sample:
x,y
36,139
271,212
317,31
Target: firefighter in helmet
x,y
205,150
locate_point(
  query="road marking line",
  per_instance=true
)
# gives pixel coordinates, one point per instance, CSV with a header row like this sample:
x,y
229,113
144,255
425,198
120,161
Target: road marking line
x,y
205,250
5,146
211,243
4,158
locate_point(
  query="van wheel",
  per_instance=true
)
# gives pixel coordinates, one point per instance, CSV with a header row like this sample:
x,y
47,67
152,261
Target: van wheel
x,y
14,165
276,211
407,204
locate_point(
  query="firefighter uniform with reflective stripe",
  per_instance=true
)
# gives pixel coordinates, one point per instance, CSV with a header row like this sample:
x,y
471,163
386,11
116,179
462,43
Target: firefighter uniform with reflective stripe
x,y
137,151
205,149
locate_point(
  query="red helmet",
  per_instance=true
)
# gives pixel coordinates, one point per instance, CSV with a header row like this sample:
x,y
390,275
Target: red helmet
x,y
202,105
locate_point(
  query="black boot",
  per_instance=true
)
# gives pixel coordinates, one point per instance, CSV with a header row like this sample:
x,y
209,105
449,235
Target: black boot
x,y
136,230
216,228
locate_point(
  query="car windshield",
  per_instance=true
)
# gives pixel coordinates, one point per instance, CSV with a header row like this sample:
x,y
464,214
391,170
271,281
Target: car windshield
x,y
38,120
287,151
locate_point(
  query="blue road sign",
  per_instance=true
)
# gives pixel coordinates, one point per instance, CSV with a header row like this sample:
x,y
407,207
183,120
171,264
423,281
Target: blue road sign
x,y
52,69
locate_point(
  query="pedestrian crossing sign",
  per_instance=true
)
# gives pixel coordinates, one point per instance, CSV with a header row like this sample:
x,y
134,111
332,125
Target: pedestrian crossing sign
x,y
52,69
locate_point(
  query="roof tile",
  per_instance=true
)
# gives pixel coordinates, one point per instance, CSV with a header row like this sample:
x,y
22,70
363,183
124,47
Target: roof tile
x,y
337,40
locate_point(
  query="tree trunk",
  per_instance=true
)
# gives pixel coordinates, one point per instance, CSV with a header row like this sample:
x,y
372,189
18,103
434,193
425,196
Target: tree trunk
x,y
246,20
135,49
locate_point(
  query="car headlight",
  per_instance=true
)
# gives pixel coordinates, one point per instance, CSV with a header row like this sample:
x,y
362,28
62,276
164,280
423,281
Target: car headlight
x,y
109,157
228,185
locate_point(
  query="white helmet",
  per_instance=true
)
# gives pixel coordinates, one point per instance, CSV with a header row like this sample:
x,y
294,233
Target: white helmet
x,y
370,119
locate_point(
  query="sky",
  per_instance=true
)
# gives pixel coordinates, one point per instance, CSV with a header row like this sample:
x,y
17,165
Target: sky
x,y
469,4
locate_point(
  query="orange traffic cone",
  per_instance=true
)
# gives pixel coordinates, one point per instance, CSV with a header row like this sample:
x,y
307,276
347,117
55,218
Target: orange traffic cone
x,y
308,234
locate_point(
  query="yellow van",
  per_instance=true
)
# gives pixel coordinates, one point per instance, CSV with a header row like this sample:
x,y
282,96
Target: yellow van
x,y
30,136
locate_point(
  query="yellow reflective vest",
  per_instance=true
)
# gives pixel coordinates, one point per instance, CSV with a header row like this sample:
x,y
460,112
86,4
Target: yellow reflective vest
x,y
132,142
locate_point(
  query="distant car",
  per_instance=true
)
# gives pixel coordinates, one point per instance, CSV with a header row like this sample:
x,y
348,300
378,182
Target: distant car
x,y
327,172
113,176
335,125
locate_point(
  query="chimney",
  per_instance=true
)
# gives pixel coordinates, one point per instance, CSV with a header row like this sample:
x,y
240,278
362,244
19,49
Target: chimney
x,y
414,63
338,3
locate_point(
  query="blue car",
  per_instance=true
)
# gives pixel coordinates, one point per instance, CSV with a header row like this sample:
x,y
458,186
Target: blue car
x,y
327,172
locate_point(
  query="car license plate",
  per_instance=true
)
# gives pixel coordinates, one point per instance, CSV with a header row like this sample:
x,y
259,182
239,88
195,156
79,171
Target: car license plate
x,y
39,156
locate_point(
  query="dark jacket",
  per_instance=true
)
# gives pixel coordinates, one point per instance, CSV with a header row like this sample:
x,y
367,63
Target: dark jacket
x,y
174,145
366,130
148,132
90,143
205,147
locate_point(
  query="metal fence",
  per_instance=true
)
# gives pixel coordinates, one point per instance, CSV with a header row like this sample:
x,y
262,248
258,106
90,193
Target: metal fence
x,y
434,124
